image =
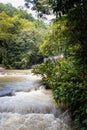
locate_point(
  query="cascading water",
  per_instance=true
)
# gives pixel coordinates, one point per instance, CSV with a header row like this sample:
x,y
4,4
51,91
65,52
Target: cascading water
x,y
31,107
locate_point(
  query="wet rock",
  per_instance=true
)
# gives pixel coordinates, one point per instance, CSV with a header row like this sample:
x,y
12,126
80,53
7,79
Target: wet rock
x,y
6,92
66,118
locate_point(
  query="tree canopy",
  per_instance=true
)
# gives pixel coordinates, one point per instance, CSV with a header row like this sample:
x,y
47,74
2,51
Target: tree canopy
x,y
20,37
55,6
67,76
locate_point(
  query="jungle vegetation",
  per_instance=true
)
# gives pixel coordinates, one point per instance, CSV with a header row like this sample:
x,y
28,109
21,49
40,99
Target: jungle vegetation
x,y
66,76
20,37
23,44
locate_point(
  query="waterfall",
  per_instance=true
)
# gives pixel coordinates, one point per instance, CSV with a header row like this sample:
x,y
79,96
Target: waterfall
x,y
32,107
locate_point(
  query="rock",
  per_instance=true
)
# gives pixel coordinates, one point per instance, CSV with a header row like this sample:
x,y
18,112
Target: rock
x,y
6,92
66,117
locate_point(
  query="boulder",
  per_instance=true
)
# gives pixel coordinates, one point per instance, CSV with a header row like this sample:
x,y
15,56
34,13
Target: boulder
x,y
6,92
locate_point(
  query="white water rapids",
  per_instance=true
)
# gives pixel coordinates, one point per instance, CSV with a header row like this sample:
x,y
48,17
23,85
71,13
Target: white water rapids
x,y
31,107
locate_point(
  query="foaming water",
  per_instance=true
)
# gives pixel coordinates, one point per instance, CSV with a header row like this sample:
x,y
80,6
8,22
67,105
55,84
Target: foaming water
x,y
32,107
18,80
10,121
29,102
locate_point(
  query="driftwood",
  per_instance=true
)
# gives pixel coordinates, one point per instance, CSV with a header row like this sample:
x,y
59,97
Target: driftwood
x,y
6,92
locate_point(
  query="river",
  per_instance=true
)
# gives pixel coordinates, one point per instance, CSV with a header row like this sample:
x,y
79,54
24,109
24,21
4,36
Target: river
x,y
31,106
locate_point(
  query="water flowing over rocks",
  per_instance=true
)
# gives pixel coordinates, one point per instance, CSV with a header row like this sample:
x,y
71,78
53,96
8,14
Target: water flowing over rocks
x,y
32,107
29,102
31,122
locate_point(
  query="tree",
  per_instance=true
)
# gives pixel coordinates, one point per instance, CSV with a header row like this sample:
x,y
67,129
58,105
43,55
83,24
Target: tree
x,y
24,14
54,42
68,76
55,6
20,39
8,9
25,52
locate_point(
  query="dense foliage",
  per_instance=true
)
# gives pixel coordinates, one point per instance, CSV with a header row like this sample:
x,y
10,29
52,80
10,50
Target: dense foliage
x,y
58,7
54,42
20,47
68,86
67,77
20,37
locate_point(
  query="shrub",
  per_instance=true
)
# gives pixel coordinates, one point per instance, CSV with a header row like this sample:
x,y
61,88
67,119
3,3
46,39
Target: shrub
x,y
69,86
